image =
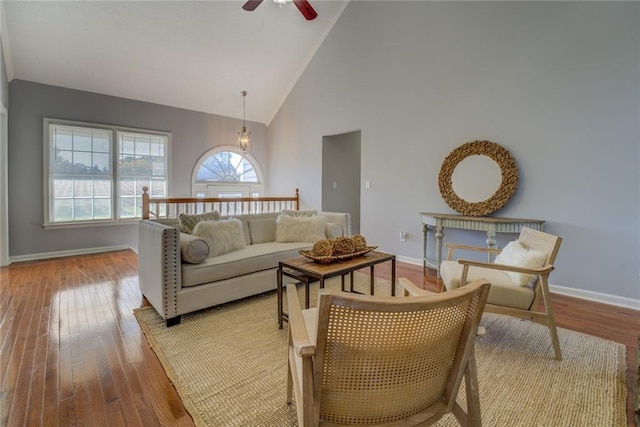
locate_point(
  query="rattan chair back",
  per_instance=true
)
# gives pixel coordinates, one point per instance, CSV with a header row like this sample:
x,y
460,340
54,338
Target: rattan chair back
x,y
385,360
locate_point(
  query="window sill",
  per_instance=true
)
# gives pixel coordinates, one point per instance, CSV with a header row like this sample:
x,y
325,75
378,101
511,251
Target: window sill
x,y
90,224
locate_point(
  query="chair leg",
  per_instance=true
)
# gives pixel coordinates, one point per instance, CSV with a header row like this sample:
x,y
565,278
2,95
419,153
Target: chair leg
x,y
289,380
551,321
473,396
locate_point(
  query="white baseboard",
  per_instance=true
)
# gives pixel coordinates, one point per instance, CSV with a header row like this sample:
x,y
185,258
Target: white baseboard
x,y
571,292
60,254
596,296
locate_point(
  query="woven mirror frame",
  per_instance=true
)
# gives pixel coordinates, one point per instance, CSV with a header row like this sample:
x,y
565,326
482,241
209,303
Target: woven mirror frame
x,y
507,188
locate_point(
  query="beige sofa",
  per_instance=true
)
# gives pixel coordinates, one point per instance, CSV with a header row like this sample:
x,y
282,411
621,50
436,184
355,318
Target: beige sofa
x,y
175,287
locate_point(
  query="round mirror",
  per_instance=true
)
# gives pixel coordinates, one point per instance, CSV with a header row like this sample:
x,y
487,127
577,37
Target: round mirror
x,y
478,178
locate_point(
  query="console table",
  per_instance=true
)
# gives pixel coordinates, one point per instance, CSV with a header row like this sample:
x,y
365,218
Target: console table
x,y
491,225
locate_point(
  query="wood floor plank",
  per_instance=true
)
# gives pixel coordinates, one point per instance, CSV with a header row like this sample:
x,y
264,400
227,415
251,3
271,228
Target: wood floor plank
x,y
72,353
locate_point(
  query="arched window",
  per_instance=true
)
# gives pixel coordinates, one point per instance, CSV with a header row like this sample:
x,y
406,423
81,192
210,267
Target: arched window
x,y
224,172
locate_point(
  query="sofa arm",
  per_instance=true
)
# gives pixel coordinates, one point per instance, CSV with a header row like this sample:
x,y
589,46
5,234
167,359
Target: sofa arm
x,y
159,266
343,219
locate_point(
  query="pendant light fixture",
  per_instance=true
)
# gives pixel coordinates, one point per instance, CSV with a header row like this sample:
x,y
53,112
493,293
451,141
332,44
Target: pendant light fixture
x,y
244,136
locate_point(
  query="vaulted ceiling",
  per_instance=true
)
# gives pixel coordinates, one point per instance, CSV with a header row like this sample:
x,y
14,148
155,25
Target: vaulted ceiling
x,y
197,55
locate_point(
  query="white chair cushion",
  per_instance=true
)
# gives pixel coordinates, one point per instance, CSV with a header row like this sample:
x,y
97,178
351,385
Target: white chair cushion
x,y
503,290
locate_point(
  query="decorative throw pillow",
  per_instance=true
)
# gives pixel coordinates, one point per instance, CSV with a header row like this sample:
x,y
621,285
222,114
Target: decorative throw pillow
x,y
299,229
193,249
188,222
222,236
517,255
299,213
262,230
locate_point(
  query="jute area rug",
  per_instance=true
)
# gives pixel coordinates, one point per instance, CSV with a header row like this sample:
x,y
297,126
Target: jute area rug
x,y
228,365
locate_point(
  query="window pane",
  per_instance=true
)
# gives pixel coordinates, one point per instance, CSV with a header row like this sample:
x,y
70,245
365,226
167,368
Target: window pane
x,y
227,166
101,163
102,187
82,139
156,149
102,208
82,209
62,187
101,142
63,161
127,187
63,138
83,187
81,162
142,146
158,188
127,207
127,145
158,168
62,210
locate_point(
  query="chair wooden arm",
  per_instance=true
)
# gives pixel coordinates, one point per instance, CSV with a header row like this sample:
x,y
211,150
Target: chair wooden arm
x,y
412,290
300,338
451,247
538,271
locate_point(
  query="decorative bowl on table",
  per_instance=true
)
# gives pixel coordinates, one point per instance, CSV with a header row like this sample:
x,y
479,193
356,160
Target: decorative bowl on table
x,y
327,251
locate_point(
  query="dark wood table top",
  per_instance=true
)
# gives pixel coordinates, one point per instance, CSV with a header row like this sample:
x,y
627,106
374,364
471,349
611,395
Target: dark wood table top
x,y
319,271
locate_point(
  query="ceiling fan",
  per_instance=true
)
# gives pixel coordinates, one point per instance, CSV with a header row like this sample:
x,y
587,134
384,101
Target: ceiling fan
x,y
303,6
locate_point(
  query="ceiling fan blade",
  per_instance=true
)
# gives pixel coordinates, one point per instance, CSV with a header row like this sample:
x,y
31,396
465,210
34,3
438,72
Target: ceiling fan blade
x,y
305,8
251,5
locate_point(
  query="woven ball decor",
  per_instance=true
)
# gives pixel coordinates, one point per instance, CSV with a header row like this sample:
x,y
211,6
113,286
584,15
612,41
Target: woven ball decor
x,y
507,188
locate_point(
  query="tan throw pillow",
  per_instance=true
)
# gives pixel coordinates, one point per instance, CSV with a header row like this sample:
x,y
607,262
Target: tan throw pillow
x,y
189,222
517,255
193,249
299,229
222,236
299,213
262,230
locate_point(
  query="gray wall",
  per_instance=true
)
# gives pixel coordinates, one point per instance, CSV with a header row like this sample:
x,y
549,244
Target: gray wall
x,y
4,82
556,83
193,134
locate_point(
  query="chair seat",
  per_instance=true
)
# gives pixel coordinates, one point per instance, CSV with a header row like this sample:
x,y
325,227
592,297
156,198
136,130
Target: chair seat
x,y
503,291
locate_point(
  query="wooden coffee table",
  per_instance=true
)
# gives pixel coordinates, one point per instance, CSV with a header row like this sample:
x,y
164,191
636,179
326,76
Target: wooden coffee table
x,y
307,271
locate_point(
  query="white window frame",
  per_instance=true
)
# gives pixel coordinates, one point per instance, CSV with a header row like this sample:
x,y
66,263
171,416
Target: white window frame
x,y
219,188
114,176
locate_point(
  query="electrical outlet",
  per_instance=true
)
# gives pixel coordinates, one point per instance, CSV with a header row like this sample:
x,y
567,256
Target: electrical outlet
x,y
367,184
403,236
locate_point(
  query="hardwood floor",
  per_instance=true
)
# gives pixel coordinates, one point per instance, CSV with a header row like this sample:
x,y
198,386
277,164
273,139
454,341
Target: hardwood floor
x,y
72,353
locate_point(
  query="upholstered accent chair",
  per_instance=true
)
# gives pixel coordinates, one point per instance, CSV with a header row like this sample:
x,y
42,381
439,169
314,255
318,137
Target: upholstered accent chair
x,y
519,279
359,359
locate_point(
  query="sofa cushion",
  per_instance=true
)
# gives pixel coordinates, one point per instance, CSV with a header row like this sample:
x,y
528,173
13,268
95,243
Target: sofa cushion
x,y
189,222
250,259
502,292
222,236
262,230
193,249
299,213
300,229
333,230
517,255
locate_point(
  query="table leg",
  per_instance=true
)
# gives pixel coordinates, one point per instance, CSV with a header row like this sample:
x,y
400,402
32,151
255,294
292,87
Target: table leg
x,y
393,277
279,288
306,293
425,240
351,282
372,280
342,283
439,236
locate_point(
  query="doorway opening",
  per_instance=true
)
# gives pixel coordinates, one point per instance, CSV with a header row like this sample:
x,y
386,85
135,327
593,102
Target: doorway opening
x,y
341,175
